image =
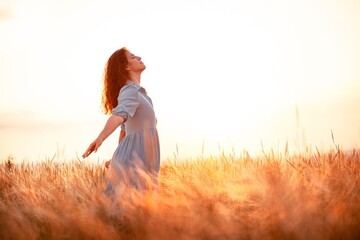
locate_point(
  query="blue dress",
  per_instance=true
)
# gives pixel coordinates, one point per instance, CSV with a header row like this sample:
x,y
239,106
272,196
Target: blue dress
x,y
136,160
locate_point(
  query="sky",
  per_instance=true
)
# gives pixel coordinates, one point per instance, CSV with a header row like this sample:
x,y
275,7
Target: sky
x,y
224,76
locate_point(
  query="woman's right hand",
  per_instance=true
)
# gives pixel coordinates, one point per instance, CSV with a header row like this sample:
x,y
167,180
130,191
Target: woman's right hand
x,y
93,147
107,164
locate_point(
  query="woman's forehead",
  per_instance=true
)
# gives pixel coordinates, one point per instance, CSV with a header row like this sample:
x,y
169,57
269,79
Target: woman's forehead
x,y
128,53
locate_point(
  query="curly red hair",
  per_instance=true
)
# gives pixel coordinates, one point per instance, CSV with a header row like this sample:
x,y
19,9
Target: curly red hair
x,y
115,76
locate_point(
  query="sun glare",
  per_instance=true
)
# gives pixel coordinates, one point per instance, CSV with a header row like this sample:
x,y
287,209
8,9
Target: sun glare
x,y
224,74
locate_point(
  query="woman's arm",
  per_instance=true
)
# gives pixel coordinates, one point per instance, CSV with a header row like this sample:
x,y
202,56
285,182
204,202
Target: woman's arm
x,y
122,135
112,123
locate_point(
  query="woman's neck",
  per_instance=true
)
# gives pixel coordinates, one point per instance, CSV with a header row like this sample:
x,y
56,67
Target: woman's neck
x,y
135,77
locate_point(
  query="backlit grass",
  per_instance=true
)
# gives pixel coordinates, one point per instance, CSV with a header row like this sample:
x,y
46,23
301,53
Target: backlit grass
x,y
274,196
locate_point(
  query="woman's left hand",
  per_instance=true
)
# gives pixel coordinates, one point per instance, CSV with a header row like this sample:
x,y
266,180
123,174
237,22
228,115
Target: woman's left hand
x,y
93,147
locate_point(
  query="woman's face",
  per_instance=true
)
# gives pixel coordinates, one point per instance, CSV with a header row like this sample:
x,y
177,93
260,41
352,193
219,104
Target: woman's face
x,y
134,62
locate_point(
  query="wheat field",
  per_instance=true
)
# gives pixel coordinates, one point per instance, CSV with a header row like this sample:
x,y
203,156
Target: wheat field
x,y
272,196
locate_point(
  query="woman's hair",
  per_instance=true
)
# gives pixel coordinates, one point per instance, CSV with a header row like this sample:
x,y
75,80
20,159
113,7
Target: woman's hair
x,y
115,76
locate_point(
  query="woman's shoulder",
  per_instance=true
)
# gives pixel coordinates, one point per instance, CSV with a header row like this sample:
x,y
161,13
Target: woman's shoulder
x,y
129,89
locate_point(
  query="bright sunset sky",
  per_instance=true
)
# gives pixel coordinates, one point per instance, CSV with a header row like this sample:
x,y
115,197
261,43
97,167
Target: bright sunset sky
x,y
223,75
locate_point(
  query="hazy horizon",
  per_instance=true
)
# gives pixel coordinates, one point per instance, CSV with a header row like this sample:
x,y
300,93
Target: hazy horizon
x,y
223,75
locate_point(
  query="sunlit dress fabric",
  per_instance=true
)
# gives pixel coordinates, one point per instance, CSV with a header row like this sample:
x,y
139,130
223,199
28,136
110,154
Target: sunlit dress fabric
x,y
136,159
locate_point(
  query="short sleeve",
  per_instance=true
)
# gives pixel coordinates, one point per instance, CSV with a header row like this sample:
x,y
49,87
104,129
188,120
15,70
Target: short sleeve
x,y
128,102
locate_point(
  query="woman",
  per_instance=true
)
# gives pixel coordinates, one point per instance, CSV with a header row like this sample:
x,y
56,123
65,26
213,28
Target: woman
x,y
138,151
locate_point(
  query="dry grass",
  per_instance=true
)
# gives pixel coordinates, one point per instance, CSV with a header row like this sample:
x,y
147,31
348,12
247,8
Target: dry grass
x,y
316,196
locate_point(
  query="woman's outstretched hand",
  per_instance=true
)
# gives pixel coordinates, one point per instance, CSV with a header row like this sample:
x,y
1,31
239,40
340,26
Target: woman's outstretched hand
x,y
92,148
112,123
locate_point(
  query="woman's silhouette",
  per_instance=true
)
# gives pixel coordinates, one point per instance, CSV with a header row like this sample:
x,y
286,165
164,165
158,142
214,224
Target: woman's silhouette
x,y
138,151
